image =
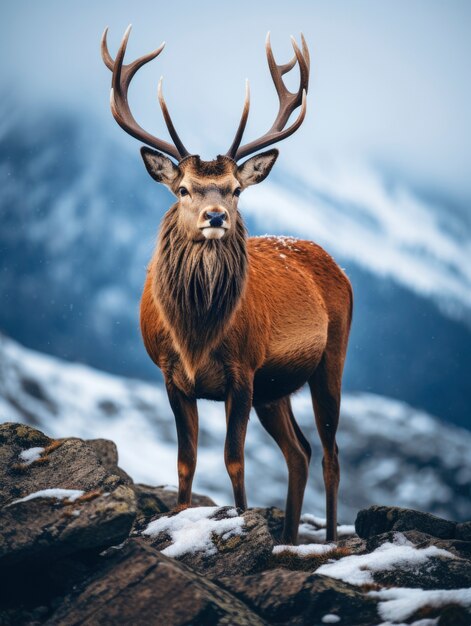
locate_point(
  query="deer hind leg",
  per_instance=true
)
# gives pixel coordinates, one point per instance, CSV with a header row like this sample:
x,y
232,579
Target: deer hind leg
x,y
278,419
186,419
325,387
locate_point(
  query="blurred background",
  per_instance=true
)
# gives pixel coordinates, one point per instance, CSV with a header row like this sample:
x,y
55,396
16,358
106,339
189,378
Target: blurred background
x,y
378,174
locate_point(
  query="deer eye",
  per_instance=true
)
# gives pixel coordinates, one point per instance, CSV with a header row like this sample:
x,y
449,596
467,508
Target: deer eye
x,y
237,192
183,191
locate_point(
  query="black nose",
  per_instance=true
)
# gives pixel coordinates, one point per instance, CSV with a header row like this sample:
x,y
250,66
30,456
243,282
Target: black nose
x,y
215,218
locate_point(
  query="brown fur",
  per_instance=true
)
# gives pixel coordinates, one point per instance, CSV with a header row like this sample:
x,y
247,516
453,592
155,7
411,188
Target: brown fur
x,y
246,321
203,278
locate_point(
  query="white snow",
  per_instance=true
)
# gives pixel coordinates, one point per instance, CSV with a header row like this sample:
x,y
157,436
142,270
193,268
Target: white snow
x,y
399,603
308,549
313,528
330,618
191,529
358,569
57,494
31,455
420,622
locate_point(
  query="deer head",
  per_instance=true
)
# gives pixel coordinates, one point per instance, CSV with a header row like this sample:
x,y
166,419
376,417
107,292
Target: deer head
x,y
207,191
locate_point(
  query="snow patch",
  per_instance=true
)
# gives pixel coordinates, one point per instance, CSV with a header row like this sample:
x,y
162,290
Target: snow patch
x,y
308,549
314,528
330,618
31,455
57,494
399,603
358,569
191,530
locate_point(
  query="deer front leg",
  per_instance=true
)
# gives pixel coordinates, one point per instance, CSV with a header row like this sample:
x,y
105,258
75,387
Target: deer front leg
x,y
238,405
186,419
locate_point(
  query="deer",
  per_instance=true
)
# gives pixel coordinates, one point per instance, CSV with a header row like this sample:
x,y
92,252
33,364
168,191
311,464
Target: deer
x,y
242,320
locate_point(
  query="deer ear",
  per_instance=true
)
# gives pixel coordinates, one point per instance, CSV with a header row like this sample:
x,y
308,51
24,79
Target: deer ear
x,y
257,168
161,168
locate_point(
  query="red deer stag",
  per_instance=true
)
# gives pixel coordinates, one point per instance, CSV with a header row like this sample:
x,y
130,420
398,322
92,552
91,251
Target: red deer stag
x,y
243,320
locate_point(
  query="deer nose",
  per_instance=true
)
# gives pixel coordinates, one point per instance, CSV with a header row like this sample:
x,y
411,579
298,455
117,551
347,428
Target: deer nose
x,y
216,218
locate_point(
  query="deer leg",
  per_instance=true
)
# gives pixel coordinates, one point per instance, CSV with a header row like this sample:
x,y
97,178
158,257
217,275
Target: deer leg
x,y
278,419
238,405
186,419
325,389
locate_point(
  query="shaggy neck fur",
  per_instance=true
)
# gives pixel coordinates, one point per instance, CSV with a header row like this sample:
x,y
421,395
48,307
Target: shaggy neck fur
x,y
198,285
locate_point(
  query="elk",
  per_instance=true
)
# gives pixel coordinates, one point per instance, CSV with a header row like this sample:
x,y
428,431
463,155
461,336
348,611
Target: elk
x,y
247,321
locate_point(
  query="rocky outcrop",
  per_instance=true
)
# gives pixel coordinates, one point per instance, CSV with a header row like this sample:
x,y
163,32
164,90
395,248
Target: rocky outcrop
x,y
140,586
381,519
80,543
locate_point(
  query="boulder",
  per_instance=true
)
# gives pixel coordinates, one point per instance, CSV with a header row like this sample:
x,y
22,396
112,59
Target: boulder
x,y
64,463
463,531
380,519
234,543
89,507
140,586
301,598
107,452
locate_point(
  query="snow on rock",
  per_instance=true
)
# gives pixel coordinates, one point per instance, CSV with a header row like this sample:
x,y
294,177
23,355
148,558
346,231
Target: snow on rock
x,y
57,494
191,530
358,569
313,528
31,455
330,618
309,549
399,603
421,622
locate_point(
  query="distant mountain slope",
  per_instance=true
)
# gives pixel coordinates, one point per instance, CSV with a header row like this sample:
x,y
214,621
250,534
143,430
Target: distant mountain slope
x,y
390,453
79,217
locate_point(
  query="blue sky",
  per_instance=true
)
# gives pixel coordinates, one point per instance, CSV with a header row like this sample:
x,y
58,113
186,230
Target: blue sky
x,y
390,80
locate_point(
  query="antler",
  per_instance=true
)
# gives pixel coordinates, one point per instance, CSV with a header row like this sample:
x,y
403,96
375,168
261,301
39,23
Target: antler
x,y
122,76
289,102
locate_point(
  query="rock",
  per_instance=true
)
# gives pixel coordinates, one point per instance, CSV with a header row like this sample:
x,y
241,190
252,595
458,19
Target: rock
x,y
151,501
458,548
275,519
46,528
107,453
463,531
380,519
301,598
65,463
229,553
354,545
437,573
140,586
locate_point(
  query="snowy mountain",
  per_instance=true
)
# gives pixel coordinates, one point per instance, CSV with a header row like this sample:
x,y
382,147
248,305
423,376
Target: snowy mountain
x,y
79,217
390,452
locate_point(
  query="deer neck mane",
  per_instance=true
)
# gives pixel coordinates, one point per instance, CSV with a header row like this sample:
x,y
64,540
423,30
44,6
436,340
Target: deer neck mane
x,y
198,285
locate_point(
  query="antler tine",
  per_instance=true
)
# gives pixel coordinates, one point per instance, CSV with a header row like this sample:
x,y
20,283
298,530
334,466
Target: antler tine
x,y
107,58
303,68
243,122
275,68
306,54
288,101
168,120
122,76
284,69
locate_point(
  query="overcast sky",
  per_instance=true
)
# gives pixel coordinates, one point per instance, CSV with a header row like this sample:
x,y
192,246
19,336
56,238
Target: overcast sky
x,y
390,80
